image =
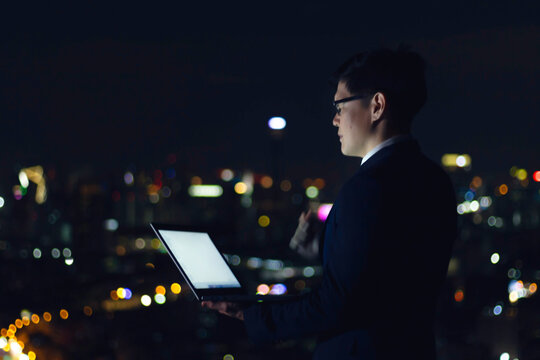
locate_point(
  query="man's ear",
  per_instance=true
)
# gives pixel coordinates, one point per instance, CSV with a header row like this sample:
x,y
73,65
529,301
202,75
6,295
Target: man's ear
x,y
378,105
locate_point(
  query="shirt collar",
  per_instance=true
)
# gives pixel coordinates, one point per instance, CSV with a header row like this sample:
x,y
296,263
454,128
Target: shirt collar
x,y
386,143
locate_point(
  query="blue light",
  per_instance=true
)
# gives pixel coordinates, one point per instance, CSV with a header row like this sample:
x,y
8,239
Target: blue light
x,y
277,123
128,294
170,173
278,289
469,195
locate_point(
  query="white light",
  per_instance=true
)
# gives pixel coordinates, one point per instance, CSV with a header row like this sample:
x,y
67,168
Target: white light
x,y
499,222
66,252
128,178
277,123
227,175
15,348
254,263
146,300
492,220
3,342
497,310
2,202
309,271
69,261
495,258
23,179
111,224
24,357
55,253
37,255
461,209
461,161
159,298
505,356
235,260
485,201
273,264
205,190
475,205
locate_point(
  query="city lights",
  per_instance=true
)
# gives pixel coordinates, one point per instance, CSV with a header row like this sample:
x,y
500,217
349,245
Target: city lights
x,y
160,299
211,191
266,182
240,188
146,300
66,252
263,289
277,123
495,258
264,221
128,178
69,261
36,253
160,289
497,310
176,288
2,202
278,289
64,314
456,160
536,177
55,253
227,175
312,192
110,224
309,271
504,356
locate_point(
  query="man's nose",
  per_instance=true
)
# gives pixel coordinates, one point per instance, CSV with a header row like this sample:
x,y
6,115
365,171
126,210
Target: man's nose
x,y
335,120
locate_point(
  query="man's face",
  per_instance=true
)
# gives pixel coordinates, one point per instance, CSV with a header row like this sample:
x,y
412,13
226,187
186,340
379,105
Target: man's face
x,y
353,123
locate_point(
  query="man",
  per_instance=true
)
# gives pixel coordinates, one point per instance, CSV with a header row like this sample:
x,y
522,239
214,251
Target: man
x,y
387,241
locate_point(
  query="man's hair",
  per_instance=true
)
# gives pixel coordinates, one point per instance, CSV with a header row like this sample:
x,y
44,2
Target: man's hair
x,y
398,74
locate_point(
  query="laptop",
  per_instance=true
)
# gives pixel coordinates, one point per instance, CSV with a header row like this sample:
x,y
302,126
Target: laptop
x,y
203,267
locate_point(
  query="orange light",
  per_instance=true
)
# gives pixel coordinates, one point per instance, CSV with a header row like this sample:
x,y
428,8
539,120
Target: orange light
x,y
503,189
26,321
47,316
196,180
3,332
240,188
31,355
266,182
533,288
12,328
35,318
263,289
319,183
160,290
19,323
64,314
21,344
536,176
307,183
120,250
476,182
114,295
285,185
10,333
458,295
88,311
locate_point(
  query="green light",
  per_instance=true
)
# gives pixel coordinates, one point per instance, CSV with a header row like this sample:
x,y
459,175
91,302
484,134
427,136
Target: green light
x,y
312,192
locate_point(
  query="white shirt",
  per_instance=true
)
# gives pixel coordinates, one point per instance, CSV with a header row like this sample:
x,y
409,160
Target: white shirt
x,y
385,143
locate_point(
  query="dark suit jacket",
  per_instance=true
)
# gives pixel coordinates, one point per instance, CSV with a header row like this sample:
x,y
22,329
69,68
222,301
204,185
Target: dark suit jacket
x,y
387,244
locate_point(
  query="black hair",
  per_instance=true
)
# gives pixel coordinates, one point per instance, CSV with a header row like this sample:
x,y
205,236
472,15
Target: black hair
x,y
398,74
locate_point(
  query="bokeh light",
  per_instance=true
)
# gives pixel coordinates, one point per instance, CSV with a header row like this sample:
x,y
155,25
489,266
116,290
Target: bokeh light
x,y
35,318
267,182
285,185
146,300
263,289
495,258
312,192
64,314
264,221
277,123
176,288
160,289
459,295
160,299
240,188
47,316
227,175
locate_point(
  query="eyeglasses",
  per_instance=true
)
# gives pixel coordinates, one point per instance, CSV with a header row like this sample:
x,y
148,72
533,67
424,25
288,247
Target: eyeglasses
x,y
347,99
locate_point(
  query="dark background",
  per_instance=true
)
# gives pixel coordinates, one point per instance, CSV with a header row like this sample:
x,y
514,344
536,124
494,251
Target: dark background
x,y
90,92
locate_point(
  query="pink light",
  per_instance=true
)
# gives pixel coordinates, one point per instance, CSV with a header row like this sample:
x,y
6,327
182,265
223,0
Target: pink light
x,y
324,210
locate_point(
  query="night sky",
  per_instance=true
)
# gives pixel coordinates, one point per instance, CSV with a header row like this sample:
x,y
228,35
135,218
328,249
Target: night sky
x,y
121,86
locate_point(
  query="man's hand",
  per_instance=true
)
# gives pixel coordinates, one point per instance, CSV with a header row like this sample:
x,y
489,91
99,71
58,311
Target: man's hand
x,y
225,308
308,248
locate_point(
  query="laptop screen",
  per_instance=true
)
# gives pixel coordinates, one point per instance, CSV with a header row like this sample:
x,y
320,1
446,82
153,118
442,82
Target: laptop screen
x,y
200,259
